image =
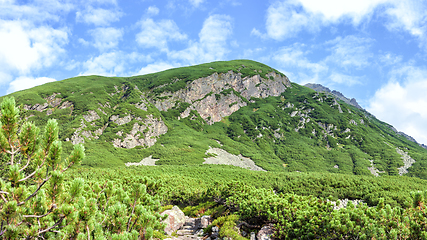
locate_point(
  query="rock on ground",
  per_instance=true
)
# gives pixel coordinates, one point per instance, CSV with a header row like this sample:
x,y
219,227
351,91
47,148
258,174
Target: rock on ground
x,y
174,221
223,157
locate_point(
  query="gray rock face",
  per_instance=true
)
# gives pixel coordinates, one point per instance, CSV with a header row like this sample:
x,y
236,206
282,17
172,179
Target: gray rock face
x,y
142,135
206,97
120,121
51,103
92,116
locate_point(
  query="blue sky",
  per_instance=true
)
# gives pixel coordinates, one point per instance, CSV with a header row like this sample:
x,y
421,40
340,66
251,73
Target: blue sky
x,y
372,50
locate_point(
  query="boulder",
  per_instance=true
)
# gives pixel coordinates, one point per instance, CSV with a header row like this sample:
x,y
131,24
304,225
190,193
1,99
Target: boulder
x,y
174,221
203,221
266,232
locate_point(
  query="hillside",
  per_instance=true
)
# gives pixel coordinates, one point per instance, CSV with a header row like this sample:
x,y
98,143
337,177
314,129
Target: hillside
x,y
239,109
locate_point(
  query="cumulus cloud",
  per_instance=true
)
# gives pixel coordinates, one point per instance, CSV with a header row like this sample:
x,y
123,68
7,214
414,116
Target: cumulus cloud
x,y
196,3
335,10
350,51
212,44
152,10
408,15
348,80
36,11
106,38
24,47
98,16
158,34
106,64
286,19
294,62
114,63
402,102
22,83
157,67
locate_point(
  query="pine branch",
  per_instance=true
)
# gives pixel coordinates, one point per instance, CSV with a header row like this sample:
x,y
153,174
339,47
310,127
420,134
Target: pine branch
x,y
35,192
133,210
44,215
54,225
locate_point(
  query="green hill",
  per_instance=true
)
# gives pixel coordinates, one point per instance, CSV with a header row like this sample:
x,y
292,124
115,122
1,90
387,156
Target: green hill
x,y
242,107
310,157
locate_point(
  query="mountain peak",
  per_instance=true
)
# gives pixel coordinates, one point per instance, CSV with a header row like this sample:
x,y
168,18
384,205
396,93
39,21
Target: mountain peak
x,y
320,88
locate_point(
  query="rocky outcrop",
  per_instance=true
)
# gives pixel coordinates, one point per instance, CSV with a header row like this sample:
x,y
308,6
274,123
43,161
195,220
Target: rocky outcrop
x,y
219,95
223,157
142,135
148,161
91,116
121,121
374,170
407,162
319,88
52,102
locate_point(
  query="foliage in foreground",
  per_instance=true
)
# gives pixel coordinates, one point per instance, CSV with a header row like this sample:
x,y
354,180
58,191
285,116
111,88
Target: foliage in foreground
x,y
248,203
37,203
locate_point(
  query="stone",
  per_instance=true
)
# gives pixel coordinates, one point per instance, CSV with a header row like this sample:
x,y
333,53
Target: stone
x,y
174,221
253,237
92,116
266,232
226,158
203,221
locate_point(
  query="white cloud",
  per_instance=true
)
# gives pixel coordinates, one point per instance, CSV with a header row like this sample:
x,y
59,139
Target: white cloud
x,y
409,15
22,83
335,10
106,64
98,16
402,102
156,67
106,38
293,61
285,20
345,79
115,63
196,3
256,32
152,10
37,11
350,52
157,34
212,44
24,47
390,59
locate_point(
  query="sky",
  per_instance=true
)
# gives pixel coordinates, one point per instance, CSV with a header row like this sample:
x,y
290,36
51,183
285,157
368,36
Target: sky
x,y
371,50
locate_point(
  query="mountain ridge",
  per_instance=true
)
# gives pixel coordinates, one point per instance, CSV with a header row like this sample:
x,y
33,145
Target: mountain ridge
x,y
320,88
242,107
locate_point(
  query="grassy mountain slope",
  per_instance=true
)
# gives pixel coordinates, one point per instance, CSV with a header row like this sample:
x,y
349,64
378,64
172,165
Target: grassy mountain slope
x,y
125,119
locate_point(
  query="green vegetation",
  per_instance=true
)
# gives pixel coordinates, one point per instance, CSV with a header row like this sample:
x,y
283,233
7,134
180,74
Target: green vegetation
x,y
315,149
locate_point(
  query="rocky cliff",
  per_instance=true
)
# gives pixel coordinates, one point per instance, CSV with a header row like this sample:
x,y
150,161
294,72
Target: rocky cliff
x,y
220,95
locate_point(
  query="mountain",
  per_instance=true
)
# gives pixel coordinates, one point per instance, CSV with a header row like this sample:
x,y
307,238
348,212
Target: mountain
x,y
319,88
237,112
